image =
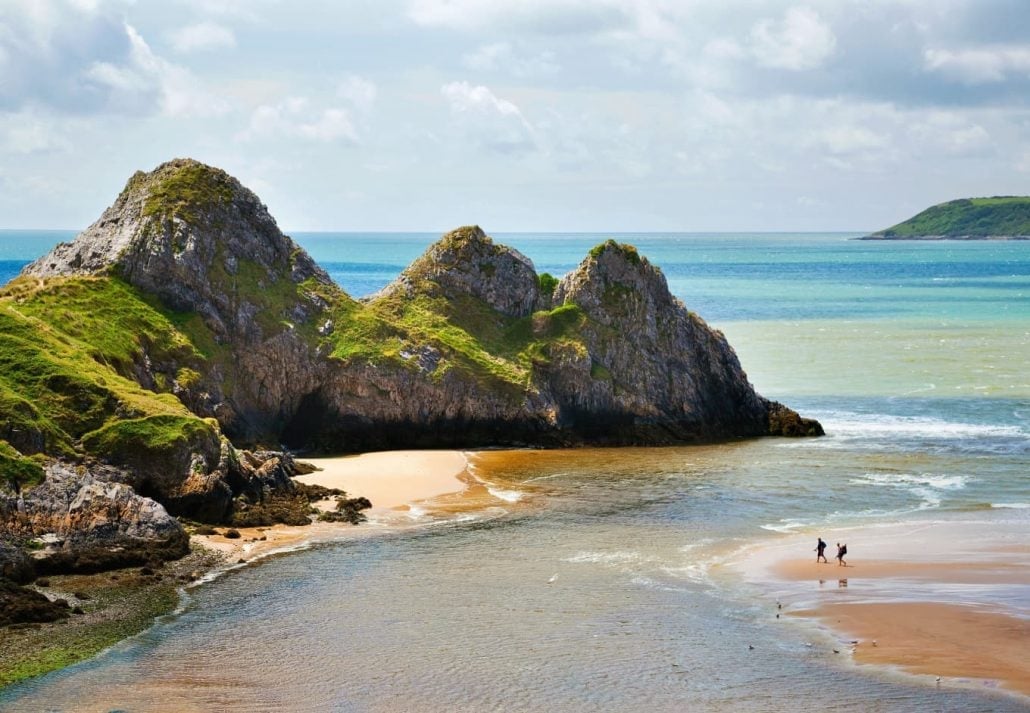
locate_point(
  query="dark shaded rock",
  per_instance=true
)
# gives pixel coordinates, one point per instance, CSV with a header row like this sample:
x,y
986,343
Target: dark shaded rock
x,y
20,605
347,510
15,564
786,422
232,534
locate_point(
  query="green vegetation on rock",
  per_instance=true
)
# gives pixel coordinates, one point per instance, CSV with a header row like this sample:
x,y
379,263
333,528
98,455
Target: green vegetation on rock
x,y
69,348
627,251
150,440
186,189
1000,216
16,471
547,283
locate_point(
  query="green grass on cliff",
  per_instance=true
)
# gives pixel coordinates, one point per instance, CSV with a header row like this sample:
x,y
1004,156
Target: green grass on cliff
x,y
17,471
471,337
975,217
183,189
147,440
67,350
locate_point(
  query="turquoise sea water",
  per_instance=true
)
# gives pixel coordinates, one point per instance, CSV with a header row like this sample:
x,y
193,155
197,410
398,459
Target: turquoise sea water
x,y
916,357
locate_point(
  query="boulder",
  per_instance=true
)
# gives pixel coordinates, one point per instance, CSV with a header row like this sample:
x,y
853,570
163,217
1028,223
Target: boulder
x,y
83,523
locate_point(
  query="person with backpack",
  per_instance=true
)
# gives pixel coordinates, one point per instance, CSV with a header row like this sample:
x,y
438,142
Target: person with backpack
x,y
820,548
841,551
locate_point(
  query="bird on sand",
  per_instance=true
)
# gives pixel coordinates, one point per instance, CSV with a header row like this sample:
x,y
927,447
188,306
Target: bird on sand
x,y
553,579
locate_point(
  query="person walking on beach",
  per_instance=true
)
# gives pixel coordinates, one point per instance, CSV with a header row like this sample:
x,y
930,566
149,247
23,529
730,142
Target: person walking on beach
x,y
820,548
841,551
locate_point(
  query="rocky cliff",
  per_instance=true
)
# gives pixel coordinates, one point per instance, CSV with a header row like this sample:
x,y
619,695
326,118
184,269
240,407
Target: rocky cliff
x,y
136,360
208,250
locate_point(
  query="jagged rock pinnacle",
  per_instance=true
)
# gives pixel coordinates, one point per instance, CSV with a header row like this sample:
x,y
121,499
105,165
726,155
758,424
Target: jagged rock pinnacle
x,y
466,262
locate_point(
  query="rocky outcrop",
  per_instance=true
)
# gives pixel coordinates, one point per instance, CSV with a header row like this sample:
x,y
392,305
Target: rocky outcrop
x,y
649,367
21,605
83,523
193,236
467,263
463,349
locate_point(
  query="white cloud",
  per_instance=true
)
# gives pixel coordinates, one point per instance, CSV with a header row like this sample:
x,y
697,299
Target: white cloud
x,y
81,57
294,118
491,121
181,93
201,37
949,132
30,132
501,57
850,139
359,92
552,17
800,41
981,65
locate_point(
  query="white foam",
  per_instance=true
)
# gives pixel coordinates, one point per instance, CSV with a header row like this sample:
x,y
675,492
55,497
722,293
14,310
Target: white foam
x,y
846,424
606,558
938,482
1012,506
508,496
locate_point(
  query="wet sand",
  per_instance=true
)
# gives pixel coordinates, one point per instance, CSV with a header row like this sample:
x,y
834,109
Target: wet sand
x,y
947,640
947,599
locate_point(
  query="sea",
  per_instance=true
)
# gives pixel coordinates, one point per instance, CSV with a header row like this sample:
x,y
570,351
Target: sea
x,y
601,579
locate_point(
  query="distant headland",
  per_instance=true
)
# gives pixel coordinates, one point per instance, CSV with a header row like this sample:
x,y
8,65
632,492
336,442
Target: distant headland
x,y
995,218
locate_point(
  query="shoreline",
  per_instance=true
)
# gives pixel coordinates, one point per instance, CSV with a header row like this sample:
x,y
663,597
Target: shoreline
x,y
394,481
122,603
945,600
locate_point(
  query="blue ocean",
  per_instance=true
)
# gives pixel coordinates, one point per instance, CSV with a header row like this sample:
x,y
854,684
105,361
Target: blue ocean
x,y
606,579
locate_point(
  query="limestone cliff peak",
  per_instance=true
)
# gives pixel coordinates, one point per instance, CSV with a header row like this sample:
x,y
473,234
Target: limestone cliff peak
x,y
198,239
466,262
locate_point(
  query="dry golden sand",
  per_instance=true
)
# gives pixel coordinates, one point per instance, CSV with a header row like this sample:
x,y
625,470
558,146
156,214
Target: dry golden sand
x,y
904,589
391,478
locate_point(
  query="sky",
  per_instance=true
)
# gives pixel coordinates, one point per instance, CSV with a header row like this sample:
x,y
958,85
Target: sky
x,y
521,115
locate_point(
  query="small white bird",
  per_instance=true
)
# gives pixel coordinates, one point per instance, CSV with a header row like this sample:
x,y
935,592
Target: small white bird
x,y
553,579
938,679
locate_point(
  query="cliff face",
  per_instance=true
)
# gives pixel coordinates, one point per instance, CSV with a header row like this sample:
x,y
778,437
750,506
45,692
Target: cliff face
x,y
205,246
647,360
467,347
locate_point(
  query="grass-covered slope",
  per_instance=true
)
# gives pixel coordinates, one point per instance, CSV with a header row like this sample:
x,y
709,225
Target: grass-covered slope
x,y
71,351
969,218
467,308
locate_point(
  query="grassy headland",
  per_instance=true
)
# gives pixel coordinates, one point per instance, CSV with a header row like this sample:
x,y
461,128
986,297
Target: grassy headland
x,y
966,218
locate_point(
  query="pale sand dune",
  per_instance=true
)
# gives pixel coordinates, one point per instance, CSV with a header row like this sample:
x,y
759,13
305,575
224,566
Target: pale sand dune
x,y
391,478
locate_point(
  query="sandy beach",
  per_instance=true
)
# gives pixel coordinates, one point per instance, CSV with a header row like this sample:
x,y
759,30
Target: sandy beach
x,y
942,599
391,479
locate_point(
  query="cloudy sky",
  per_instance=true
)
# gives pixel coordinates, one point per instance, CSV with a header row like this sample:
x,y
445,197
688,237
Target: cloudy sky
x,y
565,115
